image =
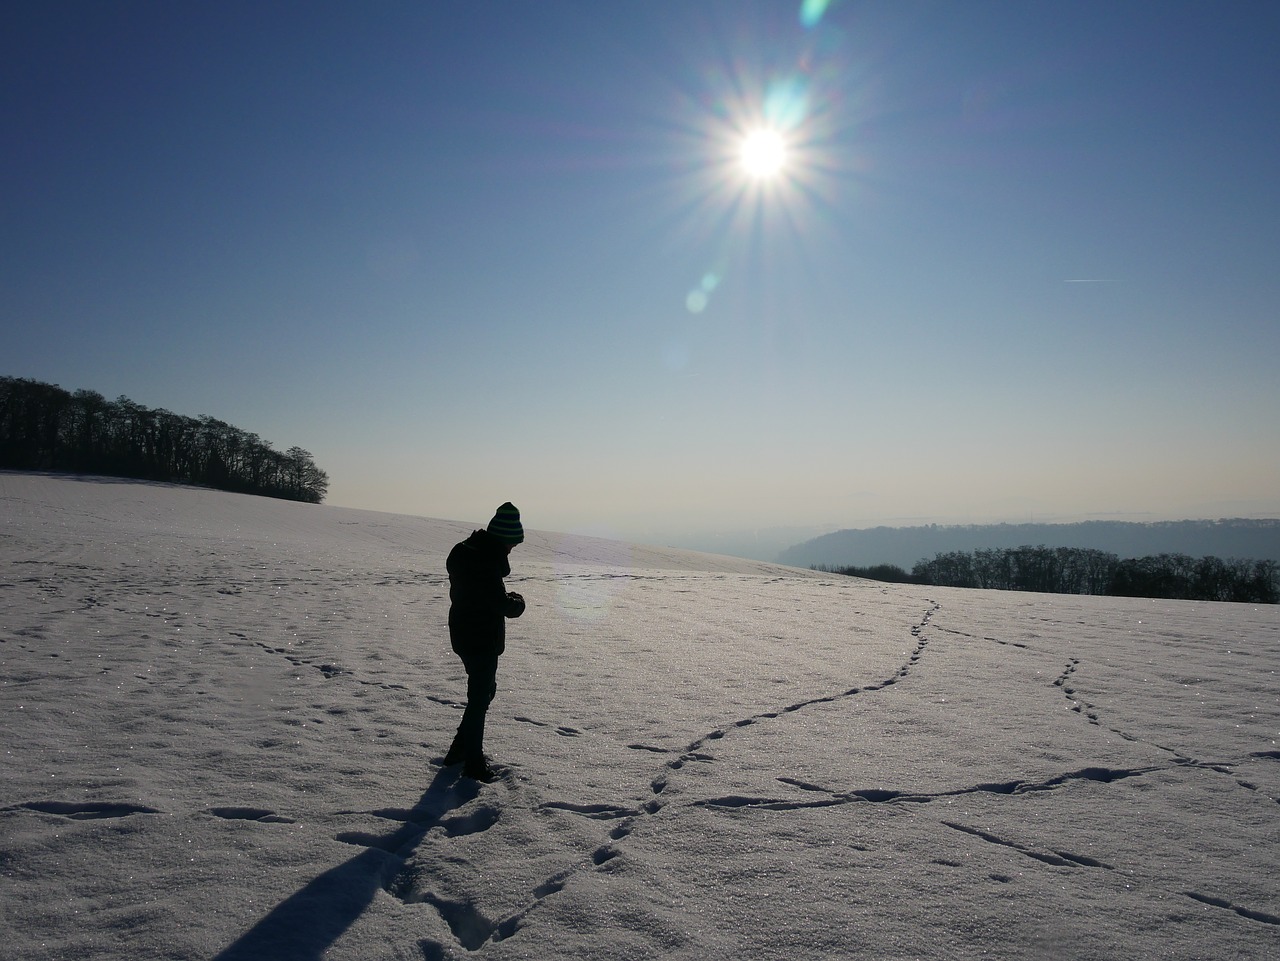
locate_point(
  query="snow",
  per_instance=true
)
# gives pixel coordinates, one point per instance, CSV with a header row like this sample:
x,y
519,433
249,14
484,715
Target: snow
x,y
222,719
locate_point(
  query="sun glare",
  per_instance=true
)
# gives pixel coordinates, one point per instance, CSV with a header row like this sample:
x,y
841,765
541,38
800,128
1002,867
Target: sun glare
x,y
763,154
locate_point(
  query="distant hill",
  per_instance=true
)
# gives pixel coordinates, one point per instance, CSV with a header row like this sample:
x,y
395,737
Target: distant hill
x,y
904,546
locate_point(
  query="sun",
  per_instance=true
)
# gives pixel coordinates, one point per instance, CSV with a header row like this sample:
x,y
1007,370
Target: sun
x,y
763,154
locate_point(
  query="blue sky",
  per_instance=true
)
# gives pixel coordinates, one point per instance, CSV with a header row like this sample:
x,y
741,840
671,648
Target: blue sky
x,y
1021,263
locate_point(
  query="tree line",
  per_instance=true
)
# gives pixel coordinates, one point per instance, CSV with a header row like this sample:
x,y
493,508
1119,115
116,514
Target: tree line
x,y
1073,570
43,427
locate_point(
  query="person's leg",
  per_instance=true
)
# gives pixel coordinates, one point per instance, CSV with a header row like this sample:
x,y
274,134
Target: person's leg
x,y
482,685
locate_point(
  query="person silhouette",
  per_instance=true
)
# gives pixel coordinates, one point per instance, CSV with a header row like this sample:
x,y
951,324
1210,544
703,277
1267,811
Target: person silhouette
x,y
479,604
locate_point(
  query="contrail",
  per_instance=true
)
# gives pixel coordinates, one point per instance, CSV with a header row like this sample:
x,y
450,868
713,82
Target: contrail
x,y
1090,280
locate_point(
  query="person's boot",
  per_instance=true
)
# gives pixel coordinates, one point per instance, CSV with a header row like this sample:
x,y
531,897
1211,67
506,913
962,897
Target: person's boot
x,y
478,769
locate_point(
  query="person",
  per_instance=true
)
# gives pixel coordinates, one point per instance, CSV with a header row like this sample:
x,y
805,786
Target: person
x,y
479,605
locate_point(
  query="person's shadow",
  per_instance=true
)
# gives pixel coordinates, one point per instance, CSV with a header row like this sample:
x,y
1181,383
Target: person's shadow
x,y
309,921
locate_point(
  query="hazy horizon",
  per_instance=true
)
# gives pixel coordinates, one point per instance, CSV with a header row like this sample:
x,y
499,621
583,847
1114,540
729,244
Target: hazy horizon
x,y
1017,263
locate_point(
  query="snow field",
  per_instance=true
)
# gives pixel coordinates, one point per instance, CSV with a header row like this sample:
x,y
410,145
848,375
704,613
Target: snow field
x,y
223,718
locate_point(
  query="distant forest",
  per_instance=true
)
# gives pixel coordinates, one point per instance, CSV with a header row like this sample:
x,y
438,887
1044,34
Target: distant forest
x,y
1071,570
43,427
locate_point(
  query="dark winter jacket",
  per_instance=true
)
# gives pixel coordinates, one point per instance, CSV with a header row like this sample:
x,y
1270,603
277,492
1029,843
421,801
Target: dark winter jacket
x,y
479,601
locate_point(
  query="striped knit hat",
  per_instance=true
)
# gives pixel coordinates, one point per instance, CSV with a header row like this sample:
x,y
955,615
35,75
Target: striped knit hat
x,y
506,524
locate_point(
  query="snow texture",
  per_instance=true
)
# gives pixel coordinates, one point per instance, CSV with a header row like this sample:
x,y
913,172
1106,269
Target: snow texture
x,y
223,718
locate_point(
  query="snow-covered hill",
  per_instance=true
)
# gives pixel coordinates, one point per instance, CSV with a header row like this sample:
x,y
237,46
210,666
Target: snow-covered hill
x,y
222,719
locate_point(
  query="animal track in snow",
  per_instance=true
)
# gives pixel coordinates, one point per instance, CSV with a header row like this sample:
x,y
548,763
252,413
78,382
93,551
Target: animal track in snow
x,y
473,822
602,812
645,747
85,810
603,854
1259,916
917,631
563,730
473,929
249,814
415,825
468,924
995,640
551,885
692,751
1054,858
607,853
1080,707
884,795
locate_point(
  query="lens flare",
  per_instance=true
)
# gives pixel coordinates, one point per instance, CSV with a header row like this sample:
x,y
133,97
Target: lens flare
x,y
811,12
590,572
